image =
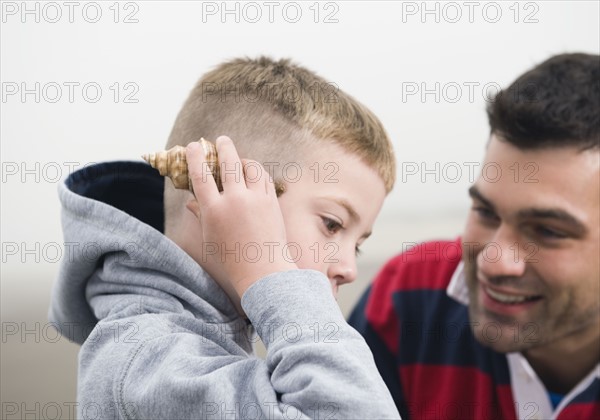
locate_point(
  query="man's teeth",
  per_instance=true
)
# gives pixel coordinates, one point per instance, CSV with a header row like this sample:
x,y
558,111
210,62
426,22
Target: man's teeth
x,y
501,297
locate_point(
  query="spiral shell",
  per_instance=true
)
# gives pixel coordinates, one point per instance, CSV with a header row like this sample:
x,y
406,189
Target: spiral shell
x,y
173,163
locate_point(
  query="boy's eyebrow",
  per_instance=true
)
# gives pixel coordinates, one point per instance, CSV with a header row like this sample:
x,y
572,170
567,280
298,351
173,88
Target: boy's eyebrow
x,y
346,205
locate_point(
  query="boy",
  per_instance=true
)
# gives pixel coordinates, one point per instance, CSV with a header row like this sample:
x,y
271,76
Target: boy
x,y
174,314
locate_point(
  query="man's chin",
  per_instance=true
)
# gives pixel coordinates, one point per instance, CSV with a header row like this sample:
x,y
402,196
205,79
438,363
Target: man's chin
x,y
502,336
499,346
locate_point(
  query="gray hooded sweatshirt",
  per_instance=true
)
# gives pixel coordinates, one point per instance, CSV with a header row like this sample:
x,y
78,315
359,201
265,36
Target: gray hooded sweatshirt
x,y
161,340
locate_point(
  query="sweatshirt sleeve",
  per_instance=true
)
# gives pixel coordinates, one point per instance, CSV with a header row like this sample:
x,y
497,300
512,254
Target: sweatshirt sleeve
x,y
317,366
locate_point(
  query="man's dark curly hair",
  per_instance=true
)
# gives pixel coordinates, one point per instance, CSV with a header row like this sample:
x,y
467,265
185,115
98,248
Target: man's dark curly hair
x,y
555,104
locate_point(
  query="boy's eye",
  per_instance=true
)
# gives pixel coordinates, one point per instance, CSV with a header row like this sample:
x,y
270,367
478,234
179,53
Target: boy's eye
x,y
357,251
331,225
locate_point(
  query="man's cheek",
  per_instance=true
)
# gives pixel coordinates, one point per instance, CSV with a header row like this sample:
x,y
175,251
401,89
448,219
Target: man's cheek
x,y
476,236
470,230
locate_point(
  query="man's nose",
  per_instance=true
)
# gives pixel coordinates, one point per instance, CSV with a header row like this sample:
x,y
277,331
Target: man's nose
x,y
504,256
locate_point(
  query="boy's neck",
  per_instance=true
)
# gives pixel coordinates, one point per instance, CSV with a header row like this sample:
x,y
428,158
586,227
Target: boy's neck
x,y
188,236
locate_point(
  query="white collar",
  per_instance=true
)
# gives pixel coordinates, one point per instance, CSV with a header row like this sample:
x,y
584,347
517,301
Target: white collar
x,y
457,289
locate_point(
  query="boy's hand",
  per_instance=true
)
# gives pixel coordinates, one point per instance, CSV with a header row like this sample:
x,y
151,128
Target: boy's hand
x,y
242,226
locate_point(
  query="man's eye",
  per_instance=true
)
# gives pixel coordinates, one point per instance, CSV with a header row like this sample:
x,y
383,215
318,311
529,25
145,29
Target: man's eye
x,y
331,225
548,233
486,214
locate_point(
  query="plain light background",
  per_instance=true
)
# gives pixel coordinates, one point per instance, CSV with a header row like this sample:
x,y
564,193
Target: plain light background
x,y
424,68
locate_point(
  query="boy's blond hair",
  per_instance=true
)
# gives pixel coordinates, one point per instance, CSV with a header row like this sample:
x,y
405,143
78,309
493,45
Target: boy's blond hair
x,y
276,112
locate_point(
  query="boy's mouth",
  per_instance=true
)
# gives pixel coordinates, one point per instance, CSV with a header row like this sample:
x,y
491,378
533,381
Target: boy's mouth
x,y
334,289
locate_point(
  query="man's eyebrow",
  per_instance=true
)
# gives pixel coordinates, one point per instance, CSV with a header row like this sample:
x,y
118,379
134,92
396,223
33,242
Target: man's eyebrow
x,y
555,214
537,213
476,194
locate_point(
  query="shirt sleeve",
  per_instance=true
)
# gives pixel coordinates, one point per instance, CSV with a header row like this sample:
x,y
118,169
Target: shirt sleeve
x,y
317,366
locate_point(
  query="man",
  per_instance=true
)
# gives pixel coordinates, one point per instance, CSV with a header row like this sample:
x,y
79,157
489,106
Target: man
x,y
504,323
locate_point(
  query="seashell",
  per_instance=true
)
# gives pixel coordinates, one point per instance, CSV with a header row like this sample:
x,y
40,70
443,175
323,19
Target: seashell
x,y
173,164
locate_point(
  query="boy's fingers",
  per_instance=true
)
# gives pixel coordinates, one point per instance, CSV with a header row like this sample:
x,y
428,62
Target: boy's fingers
x,y
232,176
270,187
194,207
205,187
253,174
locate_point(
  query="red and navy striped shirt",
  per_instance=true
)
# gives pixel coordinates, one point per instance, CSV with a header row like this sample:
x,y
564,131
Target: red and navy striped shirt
x,y
426,353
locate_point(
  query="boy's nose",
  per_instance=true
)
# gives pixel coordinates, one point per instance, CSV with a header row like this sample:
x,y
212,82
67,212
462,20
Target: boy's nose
x,y
343,270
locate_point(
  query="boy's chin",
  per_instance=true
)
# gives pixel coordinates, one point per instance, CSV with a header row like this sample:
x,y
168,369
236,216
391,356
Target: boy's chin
x,y
334,290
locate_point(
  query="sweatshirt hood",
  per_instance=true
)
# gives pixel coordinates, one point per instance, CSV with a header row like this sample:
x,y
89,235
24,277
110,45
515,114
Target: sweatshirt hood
x,y
116,254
